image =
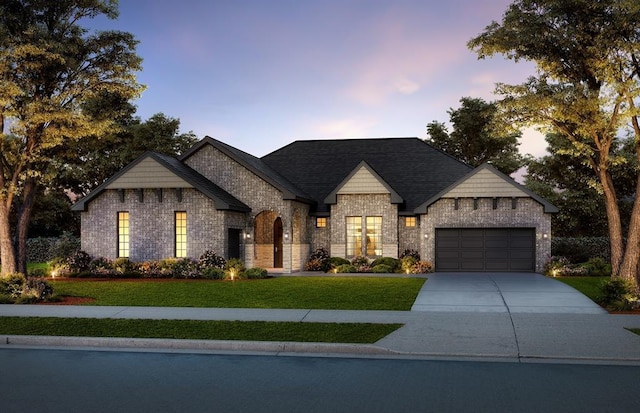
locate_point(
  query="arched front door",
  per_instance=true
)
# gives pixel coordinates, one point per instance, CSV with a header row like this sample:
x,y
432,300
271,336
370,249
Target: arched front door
x,y
277,243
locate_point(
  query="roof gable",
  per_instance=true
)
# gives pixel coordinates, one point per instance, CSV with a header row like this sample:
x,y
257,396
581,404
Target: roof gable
x,y
363,180
486,182
254,165
175,170
148,173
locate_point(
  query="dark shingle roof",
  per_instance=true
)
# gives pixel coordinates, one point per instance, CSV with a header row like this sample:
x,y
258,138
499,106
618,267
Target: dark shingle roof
x,y
414,169
255,165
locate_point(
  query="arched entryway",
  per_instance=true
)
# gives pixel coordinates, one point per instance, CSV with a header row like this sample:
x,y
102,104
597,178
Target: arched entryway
x,y
268,240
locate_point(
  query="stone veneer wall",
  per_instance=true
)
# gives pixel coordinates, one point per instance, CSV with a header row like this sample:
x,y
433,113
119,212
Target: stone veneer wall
x,y
364,205
408,237
259,196
152,224
528,214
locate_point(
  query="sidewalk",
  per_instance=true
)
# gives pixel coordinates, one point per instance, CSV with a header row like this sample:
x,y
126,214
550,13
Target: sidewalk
x,y
503,317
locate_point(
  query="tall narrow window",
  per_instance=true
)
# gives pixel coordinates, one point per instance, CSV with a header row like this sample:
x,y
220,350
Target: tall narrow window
x,y
123,234
354,236
374,236
181,234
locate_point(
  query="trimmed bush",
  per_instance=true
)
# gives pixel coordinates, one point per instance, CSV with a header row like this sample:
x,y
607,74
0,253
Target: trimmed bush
x,y
256,273
361,264
213,273
209,259
597,267
78,261
124,266
410,253
345,268
422,267
234,268
407,263
338,261
319,260
381,269
16,288
392,263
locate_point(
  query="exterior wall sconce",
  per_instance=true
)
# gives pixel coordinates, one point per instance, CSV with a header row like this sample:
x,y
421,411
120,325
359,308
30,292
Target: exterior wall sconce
x,y
247,235
426,236
545,235
286,235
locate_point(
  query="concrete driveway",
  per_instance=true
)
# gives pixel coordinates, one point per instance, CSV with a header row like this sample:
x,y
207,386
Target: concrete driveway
x,y
501,292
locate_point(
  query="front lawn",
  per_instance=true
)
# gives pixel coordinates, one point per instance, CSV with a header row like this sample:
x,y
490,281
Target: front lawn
x,y
589,286
197,329
330,293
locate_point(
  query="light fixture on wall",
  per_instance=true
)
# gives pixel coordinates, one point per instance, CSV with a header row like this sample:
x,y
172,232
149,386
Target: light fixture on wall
x,y
286,235
426,236
545,235
247,235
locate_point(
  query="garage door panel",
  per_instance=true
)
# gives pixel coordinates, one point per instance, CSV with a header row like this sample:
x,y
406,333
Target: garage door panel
x,y
485,249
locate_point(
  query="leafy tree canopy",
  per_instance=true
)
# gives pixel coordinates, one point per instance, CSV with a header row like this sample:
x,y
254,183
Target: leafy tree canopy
x,y
50,66
587,55
478,136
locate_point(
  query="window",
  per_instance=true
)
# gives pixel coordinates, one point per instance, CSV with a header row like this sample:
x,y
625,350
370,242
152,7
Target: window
x,y
374,237
410,221
123,235
321,222
364,241
181,234
354,236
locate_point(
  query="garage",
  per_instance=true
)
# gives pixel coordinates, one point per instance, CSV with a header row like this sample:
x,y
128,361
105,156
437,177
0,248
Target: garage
x,y
485,249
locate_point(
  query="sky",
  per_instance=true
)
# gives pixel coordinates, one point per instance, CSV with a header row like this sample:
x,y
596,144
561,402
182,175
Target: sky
x,y
260,74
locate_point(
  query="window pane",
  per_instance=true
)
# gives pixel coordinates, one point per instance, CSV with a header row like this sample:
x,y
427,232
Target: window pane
x,y
123,234
181,234
409,221
354,236
374,236
321,222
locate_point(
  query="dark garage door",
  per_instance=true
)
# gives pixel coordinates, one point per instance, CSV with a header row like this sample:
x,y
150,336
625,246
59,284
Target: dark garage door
x,y
485,249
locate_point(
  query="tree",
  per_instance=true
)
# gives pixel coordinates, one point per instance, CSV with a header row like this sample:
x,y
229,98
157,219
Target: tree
x,y
572,186
49,67
478,136
91,160
587,55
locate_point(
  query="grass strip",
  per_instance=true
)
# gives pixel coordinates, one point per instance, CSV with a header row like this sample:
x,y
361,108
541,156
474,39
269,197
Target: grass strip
x,y
634,330
589,286
363,333
330,293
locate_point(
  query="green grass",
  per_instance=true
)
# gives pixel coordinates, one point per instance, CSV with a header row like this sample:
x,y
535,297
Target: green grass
x,y
331,293
589,286
634,330
197,329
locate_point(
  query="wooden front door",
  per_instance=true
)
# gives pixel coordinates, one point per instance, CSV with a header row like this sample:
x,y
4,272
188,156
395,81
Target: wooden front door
x,y
277,243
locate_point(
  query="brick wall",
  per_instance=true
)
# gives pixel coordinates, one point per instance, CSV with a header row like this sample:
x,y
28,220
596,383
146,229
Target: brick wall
x,y
152,224
527,214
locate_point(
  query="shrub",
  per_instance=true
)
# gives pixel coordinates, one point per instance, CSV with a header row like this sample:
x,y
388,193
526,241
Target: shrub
x,y
101,267
210,259
319,260
581,249
65,246
421,267
619,295
124,266
410,253
38,273
40,249
597,267
12,285
213,273
337,261
381,268
78,261
17,288
256,273
186,268
345,268
555,265
234,268
150,269
361,264
392,263
36,289
407,263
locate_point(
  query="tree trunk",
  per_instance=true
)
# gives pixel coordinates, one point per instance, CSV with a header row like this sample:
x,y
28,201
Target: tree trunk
x,y
613,219
7,251
24,216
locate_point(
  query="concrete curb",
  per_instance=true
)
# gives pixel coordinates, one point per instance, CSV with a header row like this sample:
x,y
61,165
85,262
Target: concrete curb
x,y
196,345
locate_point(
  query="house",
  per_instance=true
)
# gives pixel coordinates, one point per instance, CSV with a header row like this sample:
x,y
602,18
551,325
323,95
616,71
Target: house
x,y
371,197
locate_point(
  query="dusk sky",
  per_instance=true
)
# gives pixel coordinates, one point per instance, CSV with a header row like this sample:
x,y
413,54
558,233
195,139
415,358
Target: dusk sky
x,y
259,74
